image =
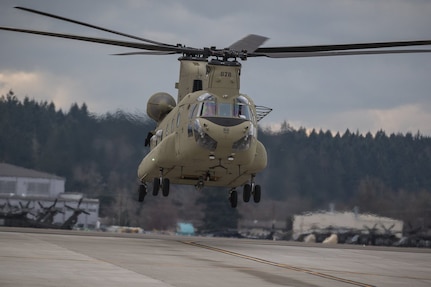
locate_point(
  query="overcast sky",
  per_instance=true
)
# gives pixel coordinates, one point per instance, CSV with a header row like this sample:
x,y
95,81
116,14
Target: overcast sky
x,y
364,93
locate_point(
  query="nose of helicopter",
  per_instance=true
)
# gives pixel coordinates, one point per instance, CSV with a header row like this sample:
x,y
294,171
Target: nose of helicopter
x,y
227,134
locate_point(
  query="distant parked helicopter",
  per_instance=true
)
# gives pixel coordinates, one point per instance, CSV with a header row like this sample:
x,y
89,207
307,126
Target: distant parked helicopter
x,y
209,135
18,216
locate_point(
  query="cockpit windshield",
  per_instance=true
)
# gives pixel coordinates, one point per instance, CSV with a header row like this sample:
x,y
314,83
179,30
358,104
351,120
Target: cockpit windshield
x,y
238,108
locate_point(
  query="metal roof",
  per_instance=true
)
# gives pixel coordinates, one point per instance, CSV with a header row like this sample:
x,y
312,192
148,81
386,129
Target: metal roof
x,y
9,170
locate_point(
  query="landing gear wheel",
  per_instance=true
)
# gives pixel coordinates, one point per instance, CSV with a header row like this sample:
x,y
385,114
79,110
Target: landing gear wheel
x,y
256,193
165,187
233,198
200,185
246,194
156,186
142,192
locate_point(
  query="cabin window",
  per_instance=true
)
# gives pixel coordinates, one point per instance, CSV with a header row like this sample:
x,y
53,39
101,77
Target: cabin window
x,y
153,141
159,135
178,119
193,111
189,130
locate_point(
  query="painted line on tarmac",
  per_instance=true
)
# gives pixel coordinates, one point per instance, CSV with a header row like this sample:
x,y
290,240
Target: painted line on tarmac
x,y
281,265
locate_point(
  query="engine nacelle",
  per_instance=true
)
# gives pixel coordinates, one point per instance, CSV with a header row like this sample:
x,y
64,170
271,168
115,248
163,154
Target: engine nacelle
x,y
159,105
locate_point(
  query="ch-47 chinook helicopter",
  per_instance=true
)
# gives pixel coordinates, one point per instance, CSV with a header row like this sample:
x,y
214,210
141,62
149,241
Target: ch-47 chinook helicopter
x,y
208,136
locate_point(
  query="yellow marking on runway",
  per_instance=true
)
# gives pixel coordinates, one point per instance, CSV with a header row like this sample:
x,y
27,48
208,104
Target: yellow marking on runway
x,y
373,274
281,265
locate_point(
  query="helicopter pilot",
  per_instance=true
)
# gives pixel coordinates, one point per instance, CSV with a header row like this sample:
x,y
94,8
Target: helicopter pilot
x,y
208,109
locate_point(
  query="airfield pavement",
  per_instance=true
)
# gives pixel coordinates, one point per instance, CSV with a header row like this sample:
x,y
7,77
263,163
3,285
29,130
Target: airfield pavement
x,y
33,257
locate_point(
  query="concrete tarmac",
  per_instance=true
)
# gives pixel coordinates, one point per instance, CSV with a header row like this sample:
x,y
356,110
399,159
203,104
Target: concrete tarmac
x,y
33,257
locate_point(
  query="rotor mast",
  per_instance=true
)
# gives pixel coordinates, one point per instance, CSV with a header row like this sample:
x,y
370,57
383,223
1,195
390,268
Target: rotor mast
x,y
192,76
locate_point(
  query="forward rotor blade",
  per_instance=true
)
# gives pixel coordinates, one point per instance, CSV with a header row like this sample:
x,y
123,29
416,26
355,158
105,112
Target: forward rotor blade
x,y
340,53
98,40
92,26
340,47
156,53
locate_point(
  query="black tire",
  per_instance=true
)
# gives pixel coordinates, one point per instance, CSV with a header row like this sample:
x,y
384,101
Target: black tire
x,y
165,186
156,186
200,185
246,194
256,194
233,198
142,192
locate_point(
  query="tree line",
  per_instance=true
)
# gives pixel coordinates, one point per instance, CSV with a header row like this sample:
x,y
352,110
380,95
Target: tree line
x,y
307,170
329,167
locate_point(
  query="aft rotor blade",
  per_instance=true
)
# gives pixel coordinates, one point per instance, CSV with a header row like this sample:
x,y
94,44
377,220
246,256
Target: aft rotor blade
x,y
339,47
249,43
127,44
340,53
92,26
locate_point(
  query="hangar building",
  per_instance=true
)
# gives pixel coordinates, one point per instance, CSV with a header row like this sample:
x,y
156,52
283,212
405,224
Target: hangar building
x,y
26,187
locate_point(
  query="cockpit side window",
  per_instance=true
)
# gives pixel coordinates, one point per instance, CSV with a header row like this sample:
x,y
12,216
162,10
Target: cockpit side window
x,y
192,111
242,108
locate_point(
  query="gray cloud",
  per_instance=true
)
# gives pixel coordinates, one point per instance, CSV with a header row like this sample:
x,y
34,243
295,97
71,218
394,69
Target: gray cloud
x,y
363,93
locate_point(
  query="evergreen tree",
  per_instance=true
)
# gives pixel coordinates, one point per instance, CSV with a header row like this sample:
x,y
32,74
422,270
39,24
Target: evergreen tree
x,y
99,155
